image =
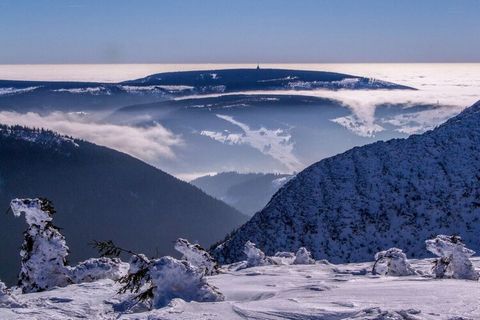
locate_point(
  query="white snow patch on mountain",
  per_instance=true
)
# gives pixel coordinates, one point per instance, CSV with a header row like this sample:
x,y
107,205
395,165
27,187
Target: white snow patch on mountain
x,y
12,91
89,90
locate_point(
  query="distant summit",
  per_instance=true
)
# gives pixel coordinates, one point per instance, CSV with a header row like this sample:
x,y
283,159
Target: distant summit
x,y
233,80
54,95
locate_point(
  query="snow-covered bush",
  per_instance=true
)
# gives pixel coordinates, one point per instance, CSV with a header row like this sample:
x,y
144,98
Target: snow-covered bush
x,y
7,300
158,281
172,278
255,256
453,261
303,256
197,256
44,249
98,268
392,262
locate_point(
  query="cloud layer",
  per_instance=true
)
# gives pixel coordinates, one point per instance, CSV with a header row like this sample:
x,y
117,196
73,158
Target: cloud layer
x,y
275,143
148,144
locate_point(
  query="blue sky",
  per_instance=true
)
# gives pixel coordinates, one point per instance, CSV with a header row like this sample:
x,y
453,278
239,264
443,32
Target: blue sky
x,y
195,31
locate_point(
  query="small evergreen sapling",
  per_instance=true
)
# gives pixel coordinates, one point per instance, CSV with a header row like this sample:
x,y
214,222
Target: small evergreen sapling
x,y
453,258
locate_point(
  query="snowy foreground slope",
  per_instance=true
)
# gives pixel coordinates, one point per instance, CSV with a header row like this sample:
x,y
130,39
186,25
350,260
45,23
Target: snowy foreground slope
x,y
395,193
320,291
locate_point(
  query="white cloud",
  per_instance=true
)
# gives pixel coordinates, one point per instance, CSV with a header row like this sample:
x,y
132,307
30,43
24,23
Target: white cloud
x,y
455,86
148,144
364,128
275,143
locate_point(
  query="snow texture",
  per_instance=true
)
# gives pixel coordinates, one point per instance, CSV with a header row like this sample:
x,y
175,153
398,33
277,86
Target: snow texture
x,y
164,279
454,258
320,291
98,268
197,256
7,299
387,194
172,278
255,256
303,256
44,250
393,262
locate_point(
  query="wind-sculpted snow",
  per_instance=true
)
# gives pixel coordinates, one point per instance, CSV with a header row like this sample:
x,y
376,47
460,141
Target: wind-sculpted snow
x,y
393,262
255,256
197,256
174,278
44,250
44,253
454,258
95,269
7,299
303,256
159,281
320,291
371,198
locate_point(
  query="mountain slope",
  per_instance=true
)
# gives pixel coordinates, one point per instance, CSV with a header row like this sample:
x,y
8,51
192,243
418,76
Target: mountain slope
x,y
100,194
247,192
395,193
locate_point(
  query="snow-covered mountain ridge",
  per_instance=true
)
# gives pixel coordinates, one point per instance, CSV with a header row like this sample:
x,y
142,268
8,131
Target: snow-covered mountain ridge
x,y
394,193
43,137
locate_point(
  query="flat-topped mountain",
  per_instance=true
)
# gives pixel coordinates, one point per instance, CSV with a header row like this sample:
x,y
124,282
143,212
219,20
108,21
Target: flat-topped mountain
x,y
68,95
231,80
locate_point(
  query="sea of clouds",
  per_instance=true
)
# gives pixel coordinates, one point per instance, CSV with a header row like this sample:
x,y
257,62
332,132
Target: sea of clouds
x,y
449,87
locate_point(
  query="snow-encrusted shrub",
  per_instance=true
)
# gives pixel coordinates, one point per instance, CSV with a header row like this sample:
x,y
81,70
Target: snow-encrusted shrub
x,y
7,299
158,281
172,278
392,262
99,268
44,249
303,256
197,256
453,261
255,256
